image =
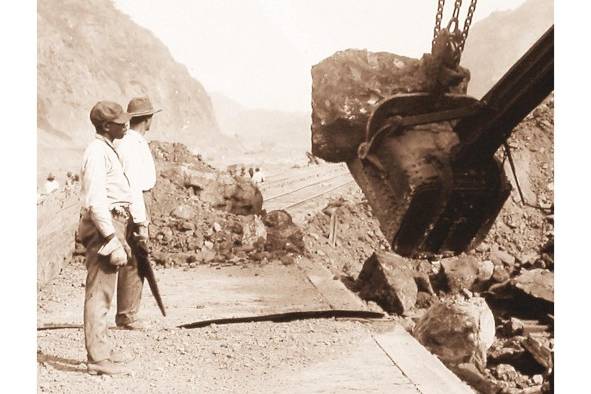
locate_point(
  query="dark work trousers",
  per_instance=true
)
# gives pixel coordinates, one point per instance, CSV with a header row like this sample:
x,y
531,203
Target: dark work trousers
x,y
130,284
129,287
101,279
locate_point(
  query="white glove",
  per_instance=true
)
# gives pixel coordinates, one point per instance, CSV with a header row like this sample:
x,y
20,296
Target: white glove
x,y
116,252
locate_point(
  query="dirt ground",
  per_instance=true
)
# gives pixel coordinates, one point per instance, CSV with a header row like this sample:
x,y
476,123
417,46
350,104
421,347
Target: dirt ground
x,y
300,356
318,355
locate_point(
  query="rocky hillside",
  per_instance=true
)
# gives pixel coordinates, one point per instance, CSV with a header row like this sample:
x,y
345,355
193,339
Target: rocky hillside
x,y
496,42
89,51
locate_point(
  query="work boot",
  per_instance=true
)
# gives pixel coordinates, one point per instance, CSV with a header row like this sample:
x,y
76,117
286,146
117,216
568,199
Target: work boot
x,y
136,325
107,367
119,356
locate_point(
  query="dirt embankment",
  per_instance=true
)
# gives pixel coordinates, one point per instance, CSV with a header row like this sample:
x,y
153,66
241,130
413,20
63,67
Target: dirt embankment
x,y
519,250
194,224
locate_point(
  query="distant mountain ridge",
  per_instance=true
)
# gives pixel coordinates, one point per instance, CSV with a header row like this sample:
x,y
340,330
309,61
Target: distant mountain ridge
x,y
262,129
496,42
89,51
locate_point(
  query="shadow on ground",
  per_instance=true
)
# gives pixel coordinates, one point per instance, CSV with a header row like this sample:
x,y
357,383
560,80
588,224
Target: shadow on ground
x,y
61,364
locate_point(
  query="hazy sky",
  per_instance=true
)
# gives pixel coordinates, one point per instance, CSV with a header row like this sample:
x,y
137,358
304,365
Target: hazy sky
x,y
259,52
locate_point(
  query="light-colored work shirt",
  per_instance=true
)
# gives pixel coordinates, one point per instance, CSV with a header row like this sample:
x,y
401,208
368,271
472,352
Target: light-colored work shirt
x,y
138,162
104,185
258,177
51,186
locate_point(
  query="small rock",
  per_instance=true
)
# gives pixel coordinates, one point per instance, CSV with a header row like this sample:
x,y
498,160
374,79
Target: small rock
x,y
183,212
460,272
217,227
167,234
186,225
208,244
537,379
513,327
485,270
539,263
500,274
506,372
528,258
483,247
497,256
287,260
538,283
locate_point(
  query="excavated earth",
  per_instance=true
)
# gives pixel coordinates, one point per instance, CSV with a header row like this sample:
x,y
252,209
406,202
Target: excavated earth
x,y
520,245
190,233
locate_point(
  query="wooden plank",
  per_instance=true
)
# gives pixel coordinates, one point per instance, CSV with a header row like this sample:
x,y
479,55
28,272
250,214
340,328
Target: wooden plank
x,y
336,294
425,370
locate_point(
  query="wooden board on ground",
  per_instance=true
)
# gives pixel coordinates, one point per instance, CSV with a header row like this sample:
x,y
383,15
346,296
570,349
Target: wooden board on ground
x,y
333,290
425,370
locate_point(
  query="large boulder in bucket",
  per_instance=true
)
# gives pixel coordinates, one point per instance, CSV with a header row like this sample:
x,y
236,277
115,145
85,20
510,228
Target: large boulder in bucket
x,y
349,85
458,331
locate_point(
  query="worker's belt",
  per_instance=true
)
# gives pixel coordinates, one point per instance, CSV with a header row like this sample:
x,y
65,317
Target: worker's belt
x,y
121,211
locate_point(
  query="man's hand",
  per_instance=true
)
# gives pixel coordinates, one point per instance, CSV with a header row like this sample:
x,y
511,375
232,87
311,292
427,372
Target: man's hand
x,y
116,252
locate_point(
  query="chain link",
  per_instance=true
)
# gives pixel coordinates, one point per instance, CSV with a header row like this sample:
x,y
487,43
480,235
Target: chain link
x,y
454,21
467,23
456,14
438,17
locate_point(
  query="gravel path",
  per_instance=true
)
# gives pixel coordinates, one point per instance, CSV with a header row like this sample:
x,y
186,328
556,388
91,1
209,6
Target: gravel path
x,y
323,355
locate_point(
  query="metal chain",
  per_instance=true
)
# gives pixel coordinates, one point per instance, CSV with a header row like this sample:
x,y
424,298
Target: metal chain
x,y
438,17
454,20
467,23
456,14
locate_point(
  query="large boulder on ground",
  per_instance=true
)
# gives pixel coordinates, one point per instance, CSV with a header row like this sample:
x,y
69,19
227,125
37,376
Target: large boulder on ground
x,y
348,86
232,194
458,331
253,230
282,233
388,280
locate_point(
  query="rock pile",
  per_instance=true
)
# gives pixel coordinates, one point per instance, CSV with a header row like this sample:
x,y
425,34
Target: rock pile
x,y
203,216
200,215
512,270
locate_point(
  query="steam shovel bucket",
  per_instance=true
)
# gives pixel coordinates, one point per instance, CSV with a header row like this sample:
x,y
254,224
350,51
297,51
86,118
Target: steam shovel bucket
x,y
425,204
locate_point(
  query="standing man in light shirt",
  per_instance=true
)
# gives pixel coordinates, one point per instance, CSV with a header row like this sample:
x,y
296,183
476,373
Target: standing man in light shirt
x,y
139,167
109,210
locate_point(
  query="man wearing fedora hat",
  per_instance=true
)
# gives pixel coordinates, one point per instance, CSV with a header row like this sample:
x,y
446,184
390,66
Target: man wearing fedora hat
x,y
139,167
109,210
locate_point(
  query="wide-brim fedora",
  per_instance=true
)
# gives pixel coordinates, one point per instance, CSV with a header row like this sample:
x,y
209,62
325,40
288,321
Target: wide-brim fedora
x,y
141,106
